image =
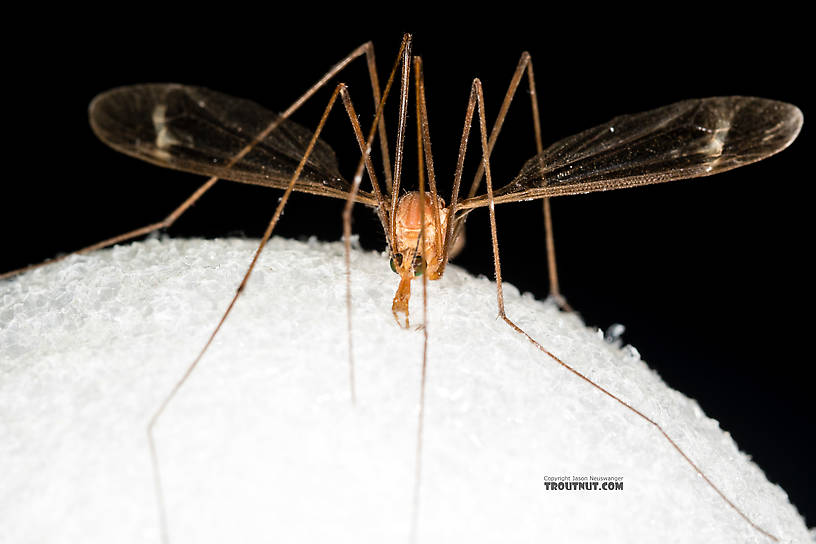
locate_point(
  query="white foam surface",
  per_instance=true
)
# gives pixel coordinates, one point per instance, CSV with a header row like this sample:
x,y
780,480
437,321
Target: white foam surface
x,y
263,445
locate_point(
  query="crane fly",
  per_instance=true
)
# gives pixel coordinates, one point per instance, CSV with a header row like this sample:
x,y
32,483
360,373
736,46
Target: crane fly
x,y
201,131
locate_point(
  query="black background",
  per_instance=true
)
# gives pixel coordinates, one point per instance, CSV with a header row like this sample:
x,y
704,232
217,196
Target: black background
x,y
710,277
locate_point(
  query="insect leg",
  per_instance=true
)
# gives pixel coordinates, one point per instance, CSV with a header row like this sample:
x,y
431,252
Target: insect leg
x,y
398,154
366,49
424,144
555,291
147,229
267,234
365,161
423,151
500,297
525,64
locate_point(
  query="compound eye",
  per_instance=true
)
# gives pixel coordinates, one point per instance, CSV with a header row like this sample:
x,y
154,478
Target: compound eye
x,y
419,266
396,261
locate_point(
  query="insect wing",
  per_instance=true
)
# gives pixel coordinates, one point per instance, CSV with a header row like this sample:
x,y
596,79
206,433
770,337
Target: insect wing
x,y
687,139
202,131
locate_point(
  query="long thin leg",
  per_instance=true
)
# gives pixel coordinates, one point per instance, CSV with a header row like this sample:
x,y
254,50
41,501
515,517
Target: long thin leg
x,y
365,160
398,155
267,234
423,151
147,229
457,179
503,315
366,49
375,86
424,143
525,64
555,290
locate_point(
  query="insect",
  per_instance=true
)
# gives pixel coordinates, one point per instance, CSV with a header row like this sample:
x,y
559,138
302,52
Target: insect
x,y
205,132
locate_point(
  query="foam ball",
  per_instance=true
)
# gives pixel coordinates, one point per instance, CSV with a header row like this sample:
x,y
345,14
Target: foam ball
x,y
262,444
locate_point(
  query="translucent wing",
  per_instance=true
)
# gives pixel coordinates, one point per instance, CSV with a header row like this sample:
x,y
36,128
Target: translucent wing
x,y
201,131
687,139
